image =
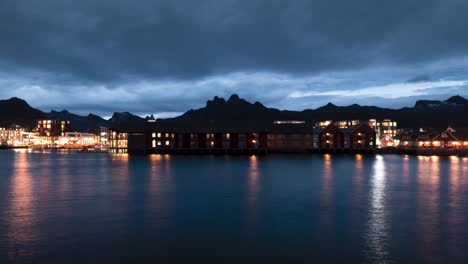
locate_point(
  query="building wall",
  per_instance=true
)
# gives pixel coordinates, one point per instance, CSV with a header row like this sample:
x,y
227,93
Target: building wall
x,y
363,137
331,138
282,141
118,142
136,143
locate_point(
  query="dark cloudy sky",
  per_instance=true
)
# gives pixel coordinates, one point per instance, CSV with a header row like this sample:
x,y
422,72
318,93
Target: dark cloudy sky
x,y
164,57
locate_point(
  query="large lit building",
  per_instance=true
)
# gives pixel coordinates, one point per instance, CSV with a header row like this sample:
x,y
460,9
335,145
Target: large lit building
x,y
52,127
76,140
102,135
386,131
118,141
339,123
235,136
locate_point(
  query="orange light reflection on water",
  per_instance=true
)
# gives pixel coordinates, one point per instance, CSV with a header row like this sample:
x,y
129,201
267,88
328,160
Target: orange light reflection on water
x,y
252,189
428,201
326,196
21,215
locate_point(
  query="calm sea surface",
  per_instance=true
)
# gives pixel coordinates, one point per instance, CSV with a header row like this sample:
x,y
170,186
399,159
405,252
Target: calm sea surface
x,y
98,208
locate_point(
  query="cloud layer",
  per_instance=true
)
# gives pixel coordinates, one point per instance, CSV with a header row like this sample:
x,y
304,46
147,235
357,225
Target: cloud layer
x,y
167,56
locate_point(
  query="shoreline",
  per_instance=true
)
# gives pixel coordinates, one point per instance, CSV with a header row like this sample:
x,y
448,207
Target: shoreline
x,y
264,152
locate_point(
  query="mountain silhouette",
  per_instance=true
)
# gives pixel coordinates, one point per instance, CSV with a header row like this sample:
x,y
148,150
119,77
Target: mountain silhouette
x,y
19,112
425,113
15,111
436,114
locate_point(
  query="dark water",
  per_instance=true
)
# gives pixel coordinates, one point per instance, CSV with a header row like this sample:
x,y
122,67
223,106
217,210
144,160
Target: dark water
x,y
96,208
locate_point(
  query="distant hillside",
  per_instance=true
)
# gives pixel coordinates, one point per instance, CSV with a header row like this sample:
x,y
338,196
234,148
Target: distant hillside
x,y
17,111
437,114
77,122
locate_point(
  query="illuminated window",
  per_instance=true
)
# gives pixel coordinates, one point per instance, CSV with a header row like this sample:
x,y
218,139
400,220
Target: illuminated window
x,y
228,136
167,135
154,143
153,135
159,143
167,142
159,135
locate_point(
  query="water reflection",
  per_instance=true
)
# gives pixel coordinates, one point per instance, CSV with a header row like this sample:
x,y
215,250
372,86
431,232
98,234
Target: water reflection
x,y
359,173
326,195
406,169
252,189
428,201
377,235
21,215
119,170
327,179
409,209
456,217
159,187
357,189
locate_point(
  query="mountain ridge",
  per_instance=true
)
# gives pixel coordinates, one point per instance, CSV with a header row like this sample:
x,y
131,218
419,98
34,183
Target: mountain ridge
x,y
16,111
425,113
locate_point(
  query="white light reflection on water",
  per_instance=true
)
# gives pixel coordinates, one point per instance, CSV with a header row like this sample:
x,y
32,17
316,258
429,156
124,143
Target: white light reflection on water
x,y
376,236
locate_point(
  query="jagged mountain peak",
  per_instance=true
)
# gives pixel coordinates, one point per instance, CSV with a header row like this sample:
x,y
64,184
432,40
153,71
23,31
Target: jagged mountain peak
x,y
457,99
234,98
124,116
452,101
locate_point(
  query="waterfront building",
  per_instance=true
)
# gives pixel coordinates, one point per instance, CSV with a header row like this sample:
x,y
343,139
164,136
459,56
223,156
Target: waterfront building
x,y
290,137
102,135
359,137
386,131
434,139
214,136
331,137
232,136
118,141
11,136
76,140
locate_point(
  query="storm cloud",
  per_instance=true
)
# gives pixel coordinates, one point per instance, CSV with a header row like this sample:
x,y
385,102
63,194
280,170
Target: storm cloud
x,y
168,56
